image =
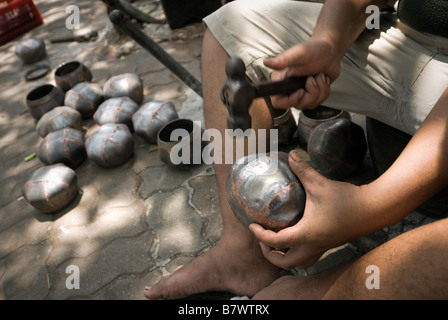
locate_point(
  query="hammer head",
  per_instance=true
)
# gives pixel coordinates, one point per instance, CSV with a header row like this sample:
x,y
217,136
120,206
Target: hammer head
x,y
237,94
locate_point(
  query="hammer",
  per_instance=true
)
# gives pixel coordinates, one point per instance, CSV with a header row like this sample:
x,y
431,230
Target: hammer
x,y
238,93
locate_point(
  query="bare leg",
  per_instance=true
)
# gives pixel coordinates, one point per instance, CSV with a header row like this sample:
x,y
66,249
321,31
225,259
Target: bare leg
x,y
412,266
236,264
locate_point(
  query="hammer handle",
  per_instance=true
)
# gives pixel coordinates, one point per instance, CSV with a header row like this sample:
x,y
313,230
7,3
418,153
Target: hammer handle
x,y
285,86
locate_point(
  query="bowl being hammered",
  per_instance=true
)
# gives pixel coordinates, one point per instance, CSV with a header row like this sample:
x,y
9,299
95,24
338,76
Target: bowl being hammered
x,y
263,189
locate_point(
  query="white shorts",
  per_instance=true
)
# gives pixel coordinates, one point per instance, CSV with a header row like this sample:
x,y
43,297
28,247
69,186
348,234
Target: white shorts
x,y
394,74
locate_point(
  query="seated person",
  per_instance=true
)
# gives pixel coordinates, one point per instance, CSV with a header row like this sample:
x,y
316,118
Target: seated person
x,y
397,74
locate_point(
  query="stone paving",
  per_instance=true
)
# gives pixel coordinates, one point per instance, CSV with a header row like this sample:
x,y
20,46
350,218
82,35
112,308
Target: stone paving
x,y
129,225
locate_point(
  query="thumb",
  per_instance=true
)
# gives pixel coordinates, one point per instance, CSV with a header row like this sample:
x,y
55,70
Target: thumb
x,y
286,59
276,63
304,172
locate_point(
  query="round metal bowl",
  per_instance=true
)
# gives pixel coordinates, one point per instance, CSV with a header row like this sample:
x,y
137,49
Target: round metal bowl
x,y
263,189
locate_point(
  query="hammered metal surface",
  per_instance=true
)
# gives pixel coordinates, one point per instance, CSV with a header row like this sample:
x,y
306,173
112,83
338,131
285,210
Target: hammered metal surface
x,y
151,117
124,85
51,188
69,74
59,118
310,119
264,190
110,145
31,50
85,97
63,146
286,126
43,98
187,146
116,110
337,148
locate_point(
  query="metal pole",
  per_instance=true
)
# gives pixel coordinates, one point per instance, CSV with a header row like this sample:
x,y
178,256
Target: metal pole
x,y
123,23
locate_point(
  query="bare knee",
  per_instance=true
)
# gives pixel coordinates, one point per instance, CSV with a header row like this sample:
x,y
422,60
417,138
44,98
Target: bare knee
x,y
413,265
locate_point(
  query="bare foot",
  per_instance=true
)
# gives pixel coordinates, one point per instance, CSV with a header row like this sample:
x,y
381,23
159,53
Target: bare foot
x,y
226,267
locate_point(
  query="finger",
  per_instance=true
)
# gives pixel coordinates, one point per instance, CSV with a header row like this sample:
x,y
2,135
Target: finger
x,y
287,101
293,258
279,240
299,257
295,56
278,75
276,257
323,84
276,63
311,86
306,174
283,60
317,90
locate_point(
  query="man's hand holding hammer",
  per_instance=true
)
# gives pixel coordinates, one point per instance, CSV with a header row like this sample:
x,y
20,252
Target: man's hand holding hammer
x,y
309,58
338,26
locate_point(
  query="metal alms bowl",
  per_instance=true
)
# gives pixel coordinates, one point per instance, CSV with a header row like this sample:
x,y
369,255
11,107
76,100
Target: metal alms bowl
x,y
31,50
183,149
70,73
310,119
44,98
263,189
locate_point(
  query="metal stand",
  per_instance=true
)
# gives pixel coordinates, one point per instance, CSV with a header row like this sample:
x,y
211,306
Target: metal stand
x,y
124,24
131,11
